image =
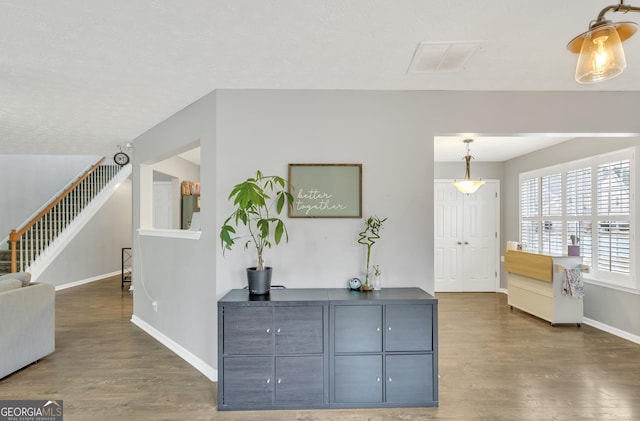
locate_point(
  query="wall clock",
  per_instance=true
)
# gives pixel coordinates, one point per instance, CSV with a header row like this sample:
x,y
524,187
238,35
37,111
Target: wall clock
x,y
121,158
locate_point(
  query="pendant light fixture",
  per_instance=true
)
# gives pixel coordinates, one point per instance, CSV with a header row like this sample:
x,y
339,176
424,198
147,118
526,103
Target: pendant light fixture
x,y
600,48
468,185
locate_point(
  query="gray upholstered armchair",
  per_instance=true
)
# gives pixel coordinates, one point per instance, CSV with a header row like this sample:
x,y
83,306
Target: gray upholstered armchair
x,y
27,321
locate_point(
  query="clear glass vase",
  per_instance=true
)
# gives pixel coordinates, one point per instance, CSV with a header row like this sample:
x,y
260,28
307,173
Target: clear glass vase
x,y
367,280
375,279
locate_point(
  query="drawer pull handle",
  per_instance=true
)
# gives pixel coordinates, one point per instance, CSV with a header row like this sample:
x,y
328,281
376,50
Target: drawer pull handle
x,y
268,381
389,379
278,331
378,379
377,329
279,381
389,327
268,330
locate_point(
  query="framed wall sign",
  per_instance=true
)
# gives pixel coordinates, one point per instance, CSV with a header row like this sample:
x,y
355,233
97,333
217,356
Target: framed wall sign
x,y
326,190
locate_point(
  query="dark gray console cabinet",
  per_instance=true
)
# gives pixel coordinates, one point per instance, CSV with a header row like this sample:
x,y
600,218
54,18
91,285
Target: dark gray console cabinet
x,y
327,348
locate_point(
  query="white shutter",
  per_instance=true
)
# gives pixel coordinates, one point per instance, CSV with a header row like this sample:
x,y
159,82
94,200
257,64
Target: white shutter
x,y
614,199
613,188
579,192
578,202
529,236
529,198
552,195
530,212
613,246
552,237
584,231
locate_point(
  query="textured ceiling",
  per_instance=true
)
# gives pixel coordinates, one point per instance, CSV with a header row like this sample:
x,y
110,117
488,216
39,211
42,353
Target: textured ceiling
x,y
84,76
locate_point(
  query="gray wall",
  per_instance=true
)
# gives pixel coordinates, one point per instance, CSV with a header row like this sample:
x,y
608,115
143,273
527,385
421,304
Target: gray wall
x,y
177,273
180,168
390,133
28,181
96,249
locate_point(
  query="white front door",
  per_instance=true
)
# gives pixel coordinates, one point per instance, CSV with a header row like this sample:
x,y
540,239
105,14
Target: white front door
x,y
466,238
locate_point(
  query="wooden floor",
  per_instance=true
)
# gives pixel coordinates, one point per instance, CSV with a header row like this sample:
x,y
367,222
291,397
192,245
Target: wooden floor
x,y
495,364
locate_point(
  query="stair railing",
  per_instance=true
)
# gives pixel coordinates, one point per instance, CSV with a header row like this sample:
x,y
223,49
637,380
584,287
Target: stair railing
x,y
41,230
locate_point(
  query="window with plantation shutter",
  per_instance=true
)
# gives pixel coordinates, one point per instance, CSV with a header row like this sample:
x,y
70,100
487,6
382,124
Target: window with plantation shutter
x,y
586,203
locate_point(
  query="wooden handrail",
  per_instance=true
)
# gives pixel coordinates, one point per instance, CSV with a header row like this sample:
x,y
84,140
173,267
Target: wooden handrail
x,y
14,235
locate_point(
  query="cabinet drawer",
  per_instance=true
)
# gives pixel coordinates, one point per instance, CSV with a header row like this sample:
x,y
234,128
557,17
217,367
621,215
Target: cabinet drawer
x,y
300,379
299,330
358,328
248,330
409,327
248,380
358,379
409,378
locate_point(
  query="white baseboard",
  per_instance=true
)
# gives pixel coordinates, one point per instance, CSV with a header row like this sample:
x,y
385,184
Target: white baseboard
x,y
86,281
612,330
210,372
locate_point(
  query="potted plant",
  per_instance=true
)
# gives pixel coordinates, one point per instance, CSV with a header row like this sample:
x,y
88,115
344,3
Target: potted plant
x,y
258,201
368,237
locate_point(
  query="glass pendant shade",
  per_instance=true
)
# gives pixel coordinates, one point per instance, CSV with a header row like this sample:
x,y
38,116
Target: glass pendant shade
x,y
468,186
601,56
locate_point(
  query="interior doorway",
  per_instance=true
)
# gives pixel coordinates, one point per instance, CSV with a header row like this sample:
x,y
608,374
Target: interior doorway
x,y
466,233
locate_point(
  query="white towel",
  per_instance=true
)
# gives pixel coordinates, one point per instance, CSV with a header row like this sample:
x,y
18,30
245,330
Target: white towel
x,y
572,284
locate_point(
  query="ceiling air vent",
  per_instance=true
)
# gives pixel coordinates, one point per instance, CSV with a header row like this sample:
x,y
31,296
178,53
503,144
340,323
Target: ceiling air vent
x,y
432,57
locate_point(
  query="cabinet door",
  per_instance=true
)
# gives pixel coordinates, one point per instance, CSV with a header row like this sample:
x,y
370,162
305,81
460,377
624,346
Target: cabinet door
x,y
358,379
248,380
300,379
299,330
409,327
358,328
409,378
248,330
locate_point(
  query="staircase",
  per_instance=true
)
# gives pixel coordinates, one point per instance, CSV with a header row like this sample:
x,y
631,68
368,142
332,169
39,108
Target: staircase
x,y
30,243
5,261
